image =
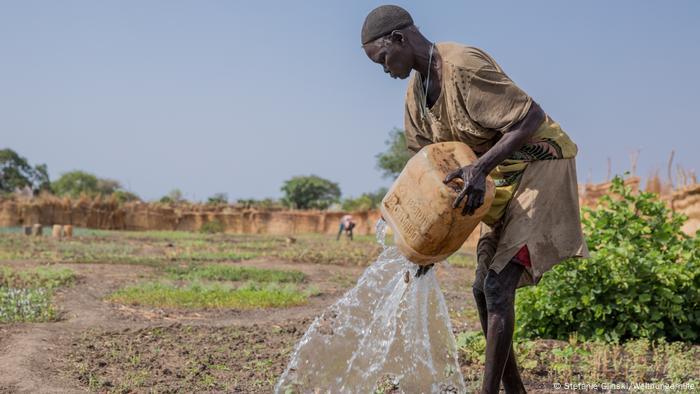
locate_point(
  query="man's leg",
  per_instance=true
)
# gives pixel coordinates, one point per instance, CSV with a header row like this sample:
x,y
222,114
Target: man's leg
x,y
340,232
512,382
499,296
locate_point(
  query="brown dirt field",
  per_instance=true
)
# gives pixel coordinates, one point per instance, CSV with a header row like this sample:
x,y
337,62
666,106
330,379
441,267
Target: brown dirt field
x,y
31,350
246,350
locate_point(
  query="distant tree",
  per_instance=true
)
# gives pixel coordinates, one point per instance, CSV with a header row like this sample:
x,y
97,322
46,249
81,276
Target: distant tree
x,y
75,183
365,201
218,198
266,203
107,186
42,181
125,196
16,173
393,160
310,192
174,196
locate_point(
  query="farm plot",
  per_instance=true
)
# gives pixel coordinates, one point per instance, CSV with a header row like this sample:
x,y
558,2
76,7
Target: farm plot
x,y
187,312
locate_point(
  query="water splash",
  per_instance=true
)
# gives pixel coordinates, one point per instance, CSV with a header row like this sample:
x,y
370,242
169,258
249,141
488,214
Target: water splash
x,y
380,231
383,331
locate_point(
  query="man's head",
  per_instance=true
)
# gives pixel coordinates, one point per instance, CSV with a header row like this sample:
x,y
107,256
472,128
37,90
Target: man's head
x,y
385,39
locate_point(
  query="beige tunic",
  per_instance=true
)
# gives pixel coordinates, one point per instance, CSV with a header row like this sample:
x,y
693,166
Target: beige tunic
x,y
477,104
544,215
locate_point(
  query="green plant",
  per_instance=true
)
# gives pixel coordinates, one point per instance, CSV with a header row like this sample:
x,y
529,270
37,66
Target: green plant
x,y
472,345
310,192
48,278
25,295
212,227
235,273
195,295
642,280
32,305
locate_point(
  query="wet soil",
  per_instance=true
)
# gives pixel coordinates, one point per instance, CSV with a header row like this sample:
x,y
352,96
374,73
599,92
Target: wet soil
x,y
98,346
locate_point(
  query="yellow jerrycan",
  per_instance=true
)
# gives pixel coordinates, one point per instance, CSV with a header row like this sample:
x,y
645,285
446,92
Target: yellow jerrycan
x,y
418,206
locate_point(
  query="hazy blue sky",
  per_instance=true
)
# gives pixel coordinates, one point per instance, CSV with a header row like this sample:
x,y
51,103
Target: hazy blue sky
x,y
236,97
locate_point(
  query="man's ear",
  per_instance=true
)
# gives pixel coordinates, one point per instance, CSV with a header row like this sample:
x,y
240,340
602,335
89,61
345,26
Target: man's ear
x,y
397,37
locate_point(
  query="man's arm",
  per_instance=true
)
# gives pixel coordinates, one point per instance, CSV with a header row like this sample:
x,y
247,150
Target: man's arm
x,y
512,140
474,175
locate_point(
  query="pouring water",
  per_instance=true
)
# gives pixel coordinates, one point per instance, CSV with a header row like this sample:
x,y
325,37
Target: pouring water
x,y
383,331
393,328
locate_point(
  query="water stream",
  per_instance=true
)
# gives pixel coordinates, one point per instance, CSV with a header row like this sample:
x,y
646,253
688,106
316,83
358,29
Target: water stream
x,y
383,333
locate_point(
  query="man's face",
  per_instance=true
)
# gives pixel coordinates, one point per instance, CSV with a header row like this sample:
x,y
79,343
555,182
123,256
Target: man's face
x,y
391,52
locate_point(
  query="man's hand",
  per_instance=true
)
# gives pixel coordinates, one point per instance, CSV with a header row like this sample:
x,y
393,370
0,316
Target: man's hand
x,y
423,269
474,188
474,176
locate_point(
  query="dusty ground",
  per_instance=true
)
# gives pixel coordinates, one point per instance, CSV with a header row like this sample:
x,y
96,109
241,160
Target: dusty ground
x,y
100,346
96,342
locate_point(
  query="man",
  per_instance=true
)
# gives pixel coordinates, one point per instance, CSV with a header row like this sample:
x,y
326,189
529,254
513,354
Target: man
x,y
346,224
459,93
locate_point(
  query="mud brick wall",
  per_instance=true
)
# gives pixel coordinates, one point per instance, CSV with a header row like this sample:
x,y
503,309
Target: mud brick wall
x,y
109,215
687,202
144,216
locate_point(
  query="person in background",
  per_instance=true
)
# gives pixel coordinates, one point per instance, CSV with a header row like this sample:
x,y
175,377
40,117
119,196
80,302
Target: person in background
x,y
346,224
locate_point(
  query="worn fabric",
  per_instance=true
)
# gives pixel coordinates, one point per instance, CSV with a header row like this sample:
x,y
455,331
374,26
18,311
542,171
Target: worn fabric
x,y
536,203
543,215
523,257
477,104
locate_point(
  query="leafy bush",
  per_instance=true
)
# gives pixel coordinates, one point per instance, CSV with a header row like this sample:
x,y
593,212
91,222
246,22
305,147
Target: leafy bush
x,y
642,280
310,192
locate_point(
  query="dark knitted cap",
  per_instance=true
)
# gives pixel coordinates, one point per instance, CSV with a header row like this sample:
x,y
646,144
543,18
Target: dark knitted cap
x,y
383,20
